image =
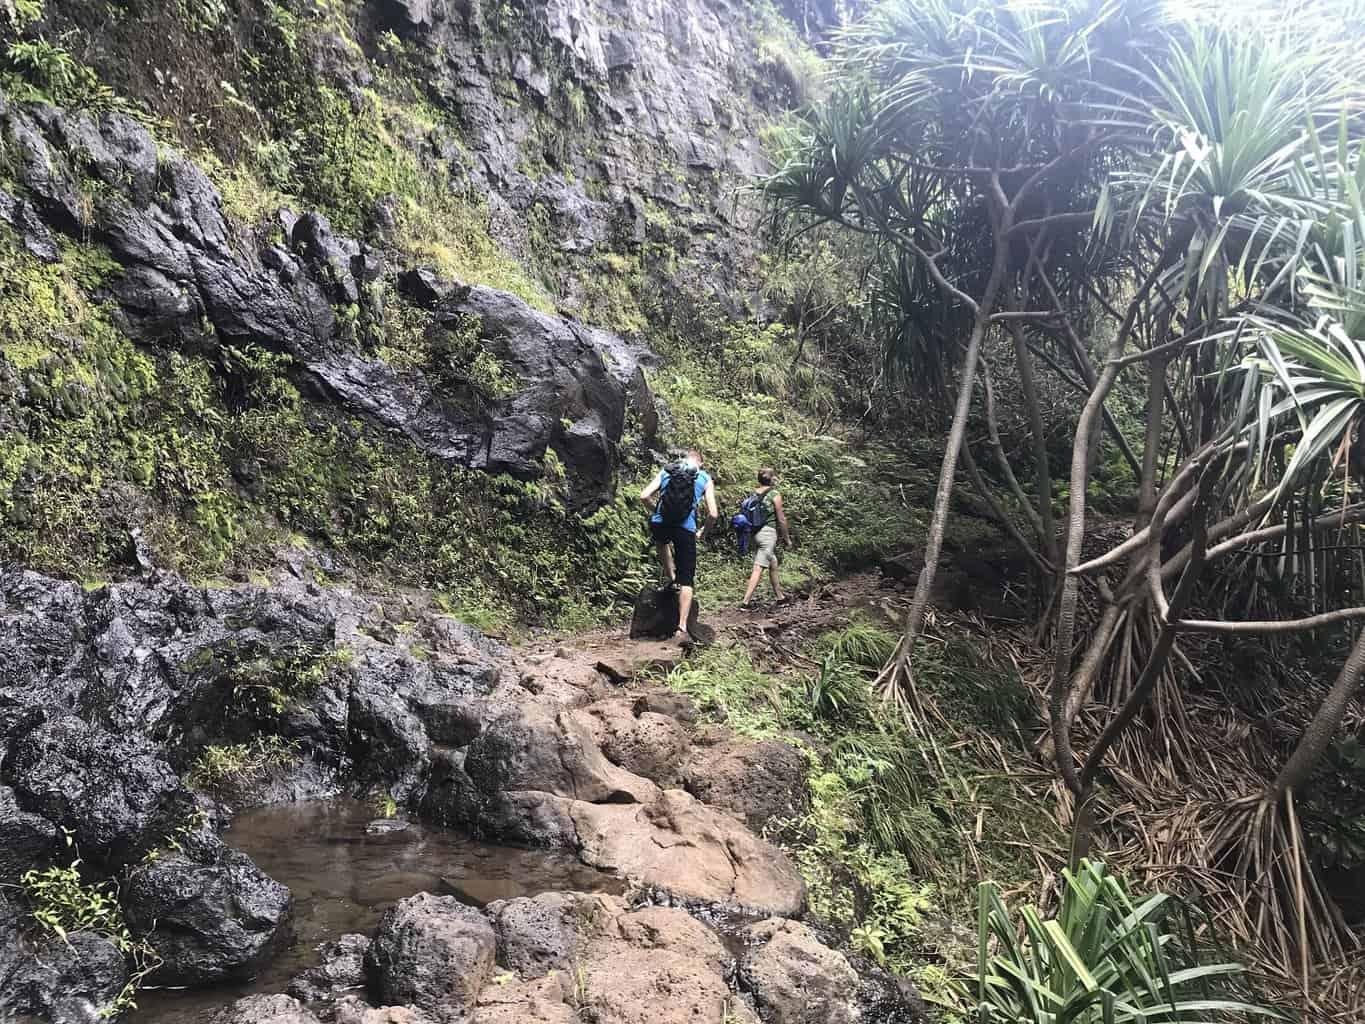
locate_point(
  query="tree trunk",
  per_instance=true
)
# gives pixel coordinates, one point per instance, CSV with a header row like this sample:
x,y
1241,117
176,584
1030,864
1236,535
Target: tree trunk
x,y
1042,472
933,546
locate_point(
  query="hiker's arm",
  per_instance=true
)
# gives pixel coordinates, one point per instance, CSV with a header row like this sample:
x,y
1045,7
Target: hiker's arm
x,y
782,520
647,495
712,513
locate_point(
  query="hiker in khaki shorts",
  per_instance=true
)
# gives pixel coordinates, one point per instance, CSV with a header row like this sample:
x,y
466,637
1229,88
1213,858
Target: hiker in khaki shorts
x,y
763,508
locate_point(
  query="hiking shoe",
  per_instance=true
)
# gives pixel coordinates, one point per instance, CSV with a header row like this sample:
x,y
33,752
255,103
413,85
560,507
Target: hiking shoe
x,y
682,638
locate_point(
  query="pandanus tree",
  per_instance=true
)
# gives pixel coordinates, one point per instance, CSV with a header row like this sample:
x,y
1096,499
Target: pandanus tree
x,y
1130,199
971,140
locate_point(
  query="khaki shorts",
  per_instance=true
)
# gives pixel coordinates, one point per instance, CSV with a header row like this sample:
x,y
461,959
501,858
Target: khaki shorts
x,y
765,547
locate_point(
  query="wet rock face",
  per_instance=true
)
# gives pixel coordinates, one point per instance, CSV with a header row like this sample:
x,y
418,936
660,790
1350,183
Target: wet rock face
x,y
669,128
67,982
433,953
27,841
209,922
184,265
114,794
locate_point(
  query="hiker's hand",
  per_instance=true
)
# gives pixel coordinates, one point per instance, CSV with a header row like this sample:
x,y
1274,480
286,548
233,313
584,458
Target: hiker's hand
x,y
701,531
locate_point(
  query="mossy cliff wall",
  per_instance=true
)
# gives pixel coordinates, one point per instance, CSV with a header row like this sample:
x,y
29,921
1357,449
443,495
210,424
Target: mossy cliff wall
x,y
245,264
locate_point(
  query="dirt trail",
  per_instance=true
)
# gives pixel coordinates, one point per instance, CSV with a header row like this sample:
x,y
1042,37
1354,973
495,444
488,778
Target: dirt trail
x,y
779,629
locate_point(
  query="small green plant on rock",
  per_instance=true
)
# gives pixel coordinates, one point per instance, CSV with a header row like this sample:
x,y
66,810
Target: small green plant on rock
x,y
62,903
220,767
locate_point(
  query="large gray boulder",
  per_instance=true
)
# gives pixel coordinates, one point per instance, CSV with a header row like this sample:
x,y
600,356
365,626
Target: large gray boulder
x,y
433,953
209,922
796,979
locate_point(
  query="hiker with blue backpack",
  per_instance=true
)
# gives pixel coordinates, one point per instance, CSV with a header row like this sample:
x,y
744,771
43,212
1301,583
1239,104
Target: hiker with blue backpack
x,y
681,488
762,518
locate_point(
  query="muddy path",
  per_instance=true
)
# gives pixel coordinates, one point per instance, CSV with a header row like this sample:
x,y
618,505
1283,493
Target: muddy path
x,y
779,630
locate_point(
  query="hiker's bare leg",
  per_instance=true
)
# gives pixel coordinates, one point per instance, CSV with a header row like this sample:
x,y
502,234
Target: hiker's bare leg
x,y
666,563
754,578
684,607
772,574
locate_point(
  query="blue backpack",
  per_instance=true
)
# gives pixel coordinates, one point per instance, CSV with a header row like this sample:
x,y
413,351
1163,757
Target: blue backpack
x,y
754,508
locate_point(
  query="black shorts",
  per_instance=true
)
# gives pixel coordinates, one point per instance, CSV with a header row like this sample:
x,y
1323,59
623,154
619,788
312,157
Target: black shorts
x,y
684,543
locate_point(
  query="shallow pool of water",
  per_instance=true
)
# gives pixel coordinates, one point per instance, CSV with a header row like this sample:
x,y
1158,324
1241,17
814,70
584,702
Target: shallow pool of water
x,y
344,875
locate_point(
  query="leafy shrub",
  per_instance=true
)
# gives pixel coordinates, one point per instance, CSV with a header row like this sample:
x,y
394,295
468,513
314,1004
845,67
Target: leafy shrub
x,y
838,690
1103,958
63,902
725,683
35,70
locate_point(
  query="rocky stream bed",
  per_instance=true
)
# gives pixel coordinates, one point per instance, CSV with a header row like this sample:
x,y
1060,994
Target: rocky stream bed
x,y
629,883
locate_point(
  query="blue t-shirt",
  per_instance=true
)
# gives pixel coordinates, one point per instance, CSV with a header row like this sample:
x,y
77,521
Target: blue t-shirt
x,y
703,478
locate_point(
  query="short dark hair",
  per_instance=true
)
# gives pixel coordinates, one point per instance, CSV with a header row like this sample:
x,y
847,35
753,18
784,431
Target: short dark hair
x,y
765,476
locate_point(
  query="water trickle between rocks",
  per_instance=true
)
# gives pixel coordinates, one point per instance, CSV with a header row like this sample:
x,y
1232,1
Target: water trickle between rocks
x,y
345,869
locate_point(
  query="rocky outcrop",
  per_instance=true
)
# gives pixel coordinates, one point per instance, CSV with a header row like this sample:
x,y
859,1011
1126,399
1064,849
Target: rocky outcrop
x,y
652,964
761,782
114,795
265,1010
684,848
340,968
27,841
795,979
463,733
66,982
641,741
184,267
211,919
432,953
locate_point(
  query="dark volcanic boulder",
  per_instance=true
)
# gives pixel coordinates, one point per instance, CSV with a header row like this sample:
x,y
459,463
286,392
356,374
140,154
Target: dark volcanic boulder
x,y
116,795
341,966
208,921
656,614
433,953
26,840
64,982
541,933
